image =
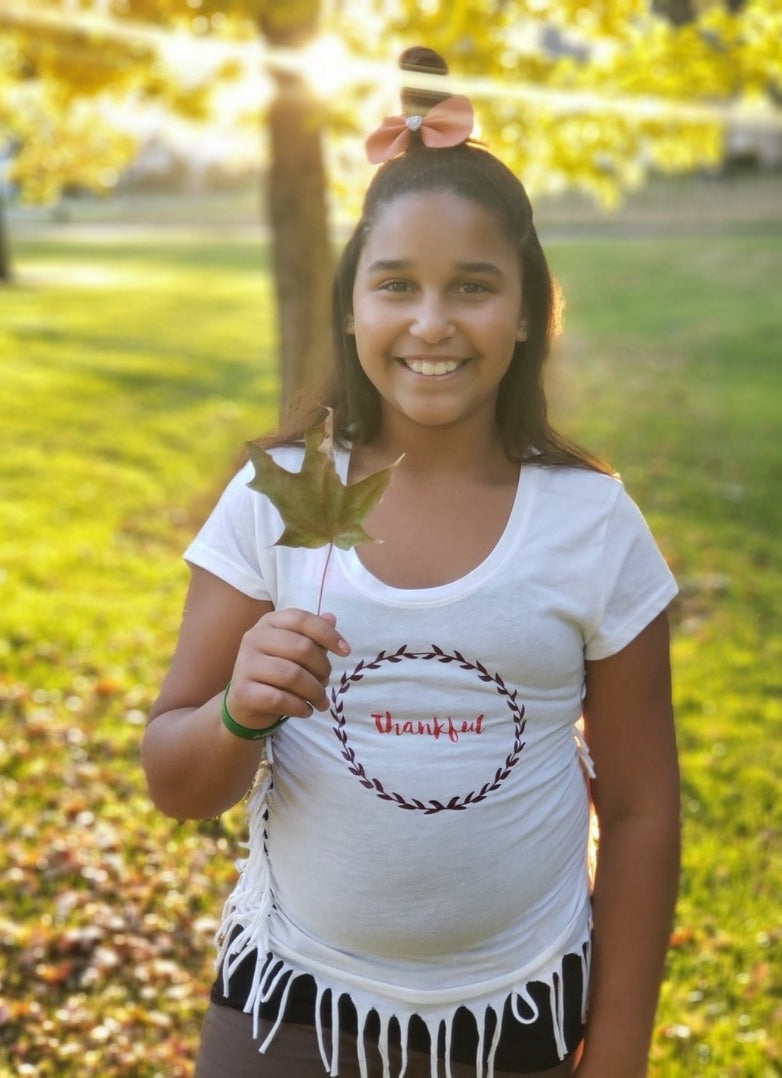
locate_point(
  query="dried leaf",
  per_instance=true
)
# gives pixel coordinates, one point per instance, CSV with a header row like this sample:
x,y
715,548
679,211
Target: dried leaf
x,y
317,508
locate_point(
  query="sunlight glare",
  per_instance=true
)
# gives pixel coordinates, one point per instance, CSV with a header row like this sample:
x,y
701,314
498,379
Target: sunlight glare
x,y
327,65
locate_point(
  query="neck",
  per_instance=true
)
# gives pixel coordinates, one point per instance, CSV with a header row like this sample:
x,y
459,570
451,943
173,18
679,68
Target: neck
x,y
465,449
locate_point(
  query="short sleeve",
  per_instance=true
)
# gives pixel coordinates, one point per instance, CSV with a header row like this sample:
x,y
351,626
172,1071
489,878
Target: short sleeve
x,y
636,584
229,545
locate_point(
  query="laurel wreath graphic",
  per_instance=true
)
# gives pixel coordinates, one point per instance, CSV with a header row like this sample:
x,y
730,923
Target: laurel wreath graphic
x,y
413,804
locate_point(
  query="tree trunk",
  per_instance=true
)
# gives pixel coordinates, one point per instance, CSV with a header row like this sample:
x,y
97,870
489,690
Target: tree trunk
x,y
303,260
5,254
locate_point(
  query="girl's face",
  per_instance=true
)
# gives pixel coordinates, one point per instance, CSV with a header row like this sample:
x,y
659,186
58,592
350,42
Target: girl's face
x,y
437,308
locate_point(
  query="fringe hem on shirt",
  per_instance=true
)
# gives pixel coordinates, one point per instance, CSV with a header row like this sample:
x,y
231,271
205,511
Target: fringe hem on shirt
x,y
245,930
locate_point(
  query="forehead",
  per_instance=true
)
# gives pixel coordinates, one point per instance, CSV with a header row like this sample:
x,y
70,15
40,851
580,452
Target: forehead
x,y
438,225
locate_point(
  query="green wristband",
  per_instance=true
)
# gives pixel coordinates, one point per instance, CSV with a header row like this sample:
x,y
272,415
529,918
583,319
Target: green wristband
x,y
247,733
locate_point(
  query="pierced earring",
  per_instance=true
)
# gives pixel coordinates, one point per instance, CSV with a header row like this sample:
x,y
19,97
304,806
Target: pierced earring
x,y
350,325
522,333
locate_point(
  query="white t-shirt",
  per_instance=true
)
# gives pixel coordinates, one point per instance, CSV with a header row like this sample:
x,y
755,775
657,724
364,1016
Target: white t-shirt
x,y
424,844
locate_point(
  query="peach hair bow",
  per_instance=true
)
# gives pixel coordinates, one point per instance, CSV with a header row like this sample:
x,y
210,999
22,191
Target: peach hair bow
x,y
446,124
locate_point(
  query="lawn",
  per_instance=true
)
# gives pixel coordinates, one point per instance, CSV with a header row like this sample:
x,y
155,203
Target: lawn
x,y
134,369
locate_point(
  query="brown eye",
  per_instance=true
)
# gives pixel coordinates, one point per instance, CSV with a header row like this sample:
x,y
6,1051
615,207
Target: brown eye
x,y
395,286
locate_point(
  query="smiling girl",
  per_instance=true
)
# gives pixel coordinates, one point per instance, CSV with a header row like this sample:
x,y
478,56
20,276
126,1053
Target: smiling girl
x,y
423,904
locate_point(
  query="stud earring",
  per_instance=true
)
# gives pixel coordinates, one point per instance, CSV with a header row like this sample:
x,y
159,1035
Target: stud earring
x,y
522,333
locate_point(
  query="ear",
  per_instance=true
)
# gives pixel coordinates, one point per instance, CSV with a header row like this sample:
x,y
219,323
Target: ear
x,y
350,325
522,332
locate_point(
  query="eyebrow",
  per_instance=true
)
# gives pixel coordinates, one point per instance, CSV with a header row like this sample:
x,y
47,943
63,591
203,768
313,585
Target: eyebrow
x,y
386,265
480,267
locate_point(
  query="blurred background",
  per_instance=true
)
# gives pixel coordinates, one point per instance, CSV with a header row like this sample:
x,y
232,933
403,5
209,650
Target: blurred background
x,y
175,180
199,98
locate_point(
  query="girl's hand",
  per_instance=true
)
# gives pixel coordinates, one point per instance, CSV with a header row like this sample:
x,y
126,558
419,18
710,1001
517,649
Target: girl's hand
x,y
282,667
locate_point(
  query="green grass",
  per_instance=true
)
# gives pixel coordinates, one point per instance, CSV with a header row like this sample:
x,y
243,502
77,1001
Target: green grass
x,y
134,370
671,369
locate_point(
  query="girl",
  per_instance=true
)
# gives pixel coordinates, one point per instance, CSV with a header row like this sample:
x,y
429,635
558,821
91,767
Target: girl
x,y
417,896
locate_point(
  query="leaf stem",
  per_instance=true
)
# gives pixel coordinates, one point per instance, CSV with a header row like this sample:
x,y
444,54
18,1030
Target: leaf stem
x,y
323,578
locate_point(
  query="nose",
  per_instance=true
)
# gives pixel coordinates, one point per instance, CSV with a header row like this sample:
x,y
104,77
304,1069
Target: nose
x,y
431,322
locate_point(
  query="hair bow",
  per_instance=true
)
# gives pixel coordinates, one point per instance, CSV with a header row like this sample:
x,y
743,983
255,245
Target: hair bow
x,y
446,124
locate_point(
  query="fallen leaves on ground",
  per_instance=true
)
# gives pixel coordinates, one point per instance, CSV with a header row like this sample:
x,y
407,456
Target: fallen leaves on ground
x,y
108,909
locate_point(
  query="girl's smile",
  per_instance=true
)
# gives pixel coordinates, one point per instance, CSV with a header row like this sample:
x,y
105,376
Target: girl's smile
x,y
437,304
431,366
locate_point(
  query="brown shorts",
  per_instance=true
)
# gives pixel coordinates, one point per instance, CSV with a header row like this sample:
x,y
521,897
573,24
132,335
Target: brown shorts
x,y
228,1050
526,1048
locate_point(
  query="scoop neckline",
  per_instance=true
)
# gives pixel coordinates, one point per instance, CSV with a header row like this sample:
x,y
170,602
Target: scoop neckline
x,y
369,584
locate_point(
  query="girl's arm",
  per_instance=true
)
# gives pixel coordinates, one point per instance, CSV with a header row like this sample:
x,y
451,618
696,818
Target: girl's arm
x,y
630,732
277,664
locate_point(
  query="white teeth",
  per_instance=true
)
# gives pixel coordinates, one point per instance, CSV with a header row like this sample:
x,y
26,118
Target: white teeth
x,y
430,367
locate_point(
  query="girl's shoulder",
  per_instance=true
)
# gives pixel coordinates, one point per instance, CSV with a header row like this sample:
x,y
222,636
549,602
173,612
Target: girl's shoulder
x,y
579,484
581,501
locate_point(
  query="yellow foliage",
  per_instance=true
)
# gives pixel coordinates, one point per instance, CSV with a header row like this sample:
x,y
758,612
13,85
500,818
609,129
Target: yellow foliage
x,y
628,90
613,99
82,67
61,76
61,144
684,146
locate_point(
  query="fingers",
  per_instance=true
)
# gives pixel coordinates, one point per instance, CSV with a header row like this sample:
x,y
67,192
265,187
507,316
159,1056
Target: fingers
x,y
321,628
283,667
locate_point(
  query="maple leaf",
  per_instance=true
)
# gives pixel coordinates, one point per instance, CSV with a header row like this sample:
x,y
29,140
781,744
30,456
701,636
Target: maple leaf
x,y
317,508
